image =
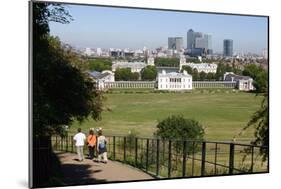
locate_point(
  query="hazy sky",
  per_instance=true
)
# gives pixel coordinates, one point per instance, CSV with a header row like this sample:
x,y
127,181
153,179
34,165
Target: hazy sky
x,y
135,28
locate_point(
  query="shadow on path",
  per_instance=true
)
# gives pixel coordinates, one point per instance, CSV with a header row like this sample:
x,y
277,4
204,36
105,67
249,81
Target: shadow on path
x,y
90,172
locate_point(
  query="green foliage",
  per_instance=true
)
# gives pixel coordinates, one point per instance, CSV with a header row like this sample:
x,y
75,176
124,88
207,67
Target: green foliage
x,y
61,90
202,76
210,76
169,62
260,121
99,64
188,69
195,75
125,74
149,73
221,69
259,76
178,127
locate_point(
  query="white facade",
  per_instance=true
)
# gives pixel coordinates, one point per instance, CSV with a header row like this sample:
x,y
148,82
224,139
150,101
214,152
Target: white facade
x,y
102,78
202,67
135,66
243,83
174,81
150,61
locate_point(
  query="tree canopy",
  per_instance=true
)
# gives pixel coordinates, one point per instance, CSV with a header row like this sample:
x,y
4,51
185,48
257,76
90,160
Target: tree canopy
x,y
169,62
125,74
178,127
62,92
149,73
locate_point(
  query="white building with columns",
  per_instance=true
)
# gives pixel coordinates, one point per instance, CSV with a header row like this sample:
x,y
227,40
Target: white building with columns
x,y
243,83
101,78
201,67
174,81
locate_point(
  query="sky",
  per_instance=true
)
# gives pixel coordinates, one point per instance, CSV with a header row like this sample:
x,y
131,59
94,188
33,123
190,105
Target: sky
x,y
108,27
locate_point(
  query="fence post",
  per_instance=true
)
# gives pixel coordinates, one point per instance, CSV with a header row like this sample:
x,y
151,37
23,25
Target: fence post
x,y
66,143
72,144
252,158
113,147
231,158
147,148
216,152
56,142
61,143
157,157
136,151
203,158
184,159
169,159
124,149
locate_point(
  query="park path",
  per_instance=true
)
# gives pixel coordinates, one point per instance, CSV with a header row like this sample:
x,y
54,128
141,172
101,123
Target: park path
x,y
90,172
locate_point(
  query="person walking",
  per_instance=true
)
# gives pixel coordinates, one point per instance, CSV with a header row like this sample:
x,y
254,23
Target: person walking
x,y
79,139
91,141
101,147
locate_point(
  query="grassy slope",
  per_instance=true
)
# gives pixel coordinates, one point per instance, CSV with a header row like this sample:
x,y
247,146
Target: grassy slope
x,y
223,114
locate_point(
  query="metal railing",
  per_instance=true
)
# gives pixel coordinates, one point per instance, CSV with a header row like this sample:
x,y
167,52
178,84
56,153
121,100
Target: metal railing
x,y
179,158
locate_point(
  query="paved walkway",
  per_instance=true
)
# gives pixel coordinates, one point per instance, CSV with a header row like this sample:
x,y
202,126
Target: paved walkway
x,y
88,171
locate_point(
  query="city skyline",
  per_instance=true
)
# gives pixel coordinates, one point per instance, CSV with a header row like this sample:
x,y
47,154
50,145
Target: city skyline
x,y
107,27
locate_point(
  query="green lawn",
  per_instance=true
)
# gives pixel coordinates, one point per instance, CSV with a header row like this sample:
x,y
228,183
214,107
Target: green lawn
x,y
222,113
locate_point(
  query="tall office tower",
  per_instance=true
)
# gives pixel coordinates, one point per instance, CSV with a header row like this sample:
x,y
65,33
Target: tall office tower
x,y
175,43
171,43
179,43
208,39
227,47
204,42
190,39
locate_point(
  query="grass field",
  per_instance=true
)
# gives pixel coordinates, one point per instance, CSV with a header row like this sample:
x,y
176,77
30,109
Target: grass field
x,y
223,113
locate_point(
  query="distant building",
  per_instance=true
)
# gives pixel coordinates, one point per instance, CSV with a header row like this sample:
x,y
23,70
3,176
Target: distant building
x,y
101,78
190,39
265,53
204,42
201,67
174,81
228,47
150,61
135,66
88,51
243,83
175,43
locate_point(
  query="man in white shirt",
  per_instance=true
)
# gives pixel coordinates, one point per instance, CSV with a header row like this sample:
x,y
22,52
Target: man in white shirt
x,y
79,139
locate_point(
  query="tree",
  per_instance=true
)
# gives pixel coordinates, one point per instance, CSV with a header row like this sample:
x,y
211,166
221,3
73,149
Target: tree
x,y
134,76
260,121
202,76
178,127
125,74
188,69
195,75
169,62
149,73
220,72
99,64
259,76
210,76
61,91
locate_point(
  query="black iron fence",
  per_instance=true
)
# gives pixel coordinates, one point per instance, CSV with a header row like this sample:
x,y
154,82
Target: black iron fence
x,y
178,158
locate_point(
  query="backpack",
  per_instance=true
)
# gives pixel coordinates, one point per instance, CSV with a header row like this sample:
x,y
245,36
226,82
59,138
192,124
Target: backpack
x,y
102,144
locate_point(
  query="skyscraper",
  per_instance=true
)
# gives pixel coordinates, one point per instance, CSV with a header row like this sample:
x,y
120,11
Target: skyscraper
x,y
175,43
227,47
190,39
179,43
